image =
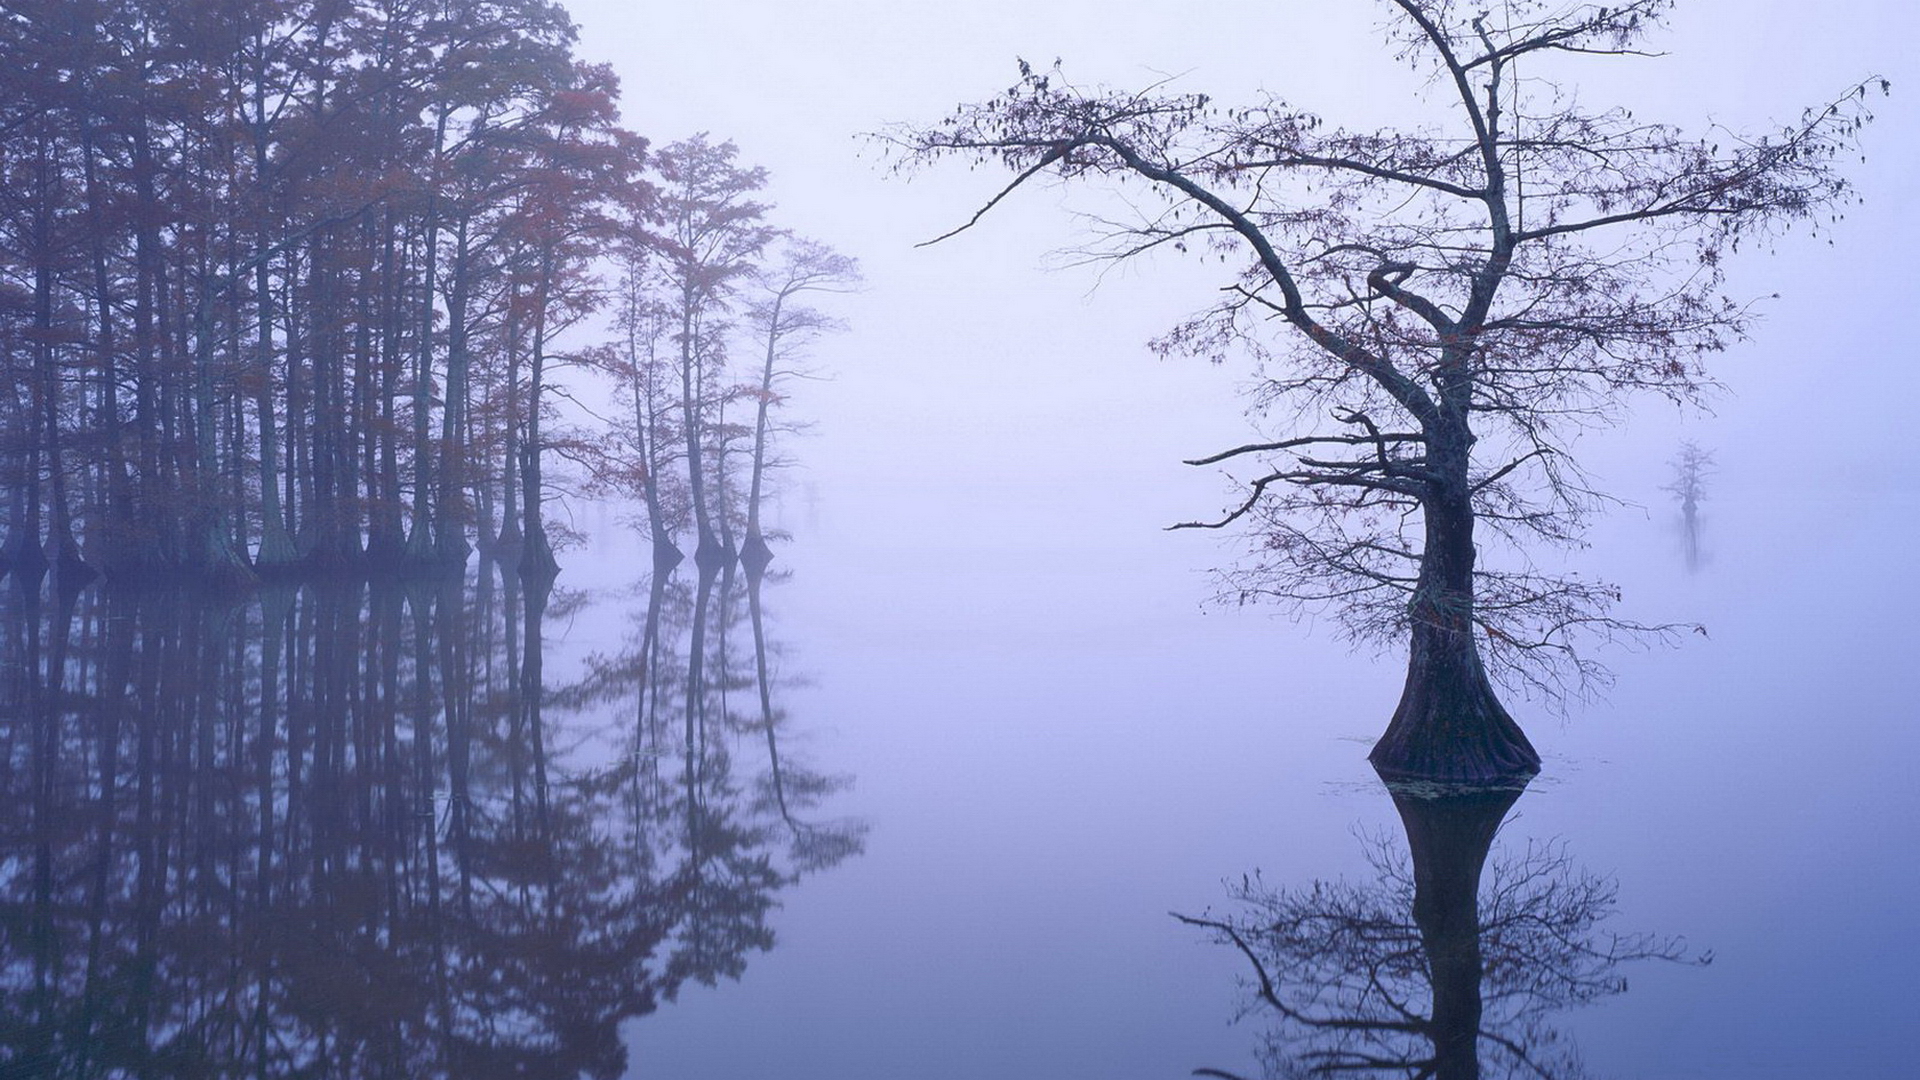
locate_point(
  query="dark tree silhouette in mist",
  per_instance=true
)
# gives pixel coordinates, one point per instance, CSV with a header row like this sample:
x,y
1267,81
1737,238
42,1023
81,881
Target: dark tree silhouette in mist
x,y
1436,312
277,277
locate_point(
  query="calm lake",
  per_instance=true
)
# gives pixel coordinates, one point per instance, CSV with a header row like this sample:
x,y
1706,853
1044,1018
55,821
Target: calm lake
x,y
981,779
927,813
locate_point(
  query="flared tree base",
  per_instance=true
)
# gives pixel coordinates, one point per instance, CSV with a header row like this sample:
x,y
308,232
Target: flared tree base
x,y
1450,729
755,554
21,556
666,555
277,553
537,563
712,554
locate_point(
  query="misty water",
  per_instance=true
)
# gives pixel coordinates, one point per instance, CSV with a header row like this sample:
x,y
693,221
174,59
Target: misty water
x,y
983,779
887,815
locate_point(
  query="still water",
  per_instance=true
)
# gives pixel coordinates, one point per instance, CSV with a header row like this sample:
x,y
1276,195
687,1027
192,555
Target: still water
x,y
979,814
361,830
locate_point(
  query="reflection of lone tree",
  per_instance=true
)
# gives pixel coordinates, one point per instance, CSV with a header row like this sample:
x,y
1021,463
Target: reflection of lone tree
x,y
1433,970
1691,467
1441,310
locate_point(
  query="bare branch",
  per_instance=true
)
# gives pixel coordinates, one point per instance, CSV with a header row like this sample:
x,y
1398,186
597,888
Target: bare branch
x,y
1308,440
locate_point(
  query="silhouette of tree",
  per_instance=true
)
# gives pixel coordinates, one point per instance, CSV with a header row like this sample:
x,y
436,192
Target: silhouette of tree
x,y
711,236
786,324
1459,302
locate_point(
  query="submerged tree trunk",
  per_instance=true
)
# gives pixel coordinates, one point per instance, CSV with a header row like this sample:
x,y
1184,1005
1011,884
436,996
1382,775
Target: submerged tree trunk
x,y
755,551
1450,726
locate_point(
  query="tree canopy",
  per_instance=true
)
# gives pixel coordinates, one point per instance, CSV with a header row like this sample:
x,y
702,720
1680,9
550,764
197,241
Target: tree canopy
x,y
1435,313
285,285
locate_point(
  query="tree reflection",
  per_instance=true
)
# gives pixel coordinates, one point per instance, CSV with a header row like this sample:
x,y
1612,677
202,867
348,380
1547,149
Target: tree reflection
x,y
1447,964
352,830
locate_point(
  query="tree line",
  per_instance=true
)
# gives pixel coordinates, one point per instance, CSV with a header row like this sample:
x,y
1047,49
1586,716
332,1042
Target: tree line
x,y
283,285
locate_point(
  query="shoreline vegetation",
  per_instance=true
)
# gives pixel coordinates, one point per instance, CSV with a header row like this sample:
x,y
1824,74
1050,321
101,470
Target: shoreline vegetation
x,y
298,291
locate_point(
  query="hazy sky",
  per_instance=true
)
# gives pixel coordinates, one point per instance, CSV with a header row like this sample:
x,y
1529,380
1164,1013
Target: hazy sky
x,y
972,352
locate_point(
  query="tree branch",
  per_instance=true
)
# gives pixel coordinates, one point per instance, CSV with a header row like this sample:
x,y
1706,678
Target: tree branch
x,y
1306,440
1055,153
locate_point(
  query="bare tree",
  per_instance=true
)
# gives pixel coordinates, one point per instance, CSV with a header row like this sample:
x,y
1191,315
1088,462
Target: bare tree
x,y
1436,313
712,235
786,324
1691,467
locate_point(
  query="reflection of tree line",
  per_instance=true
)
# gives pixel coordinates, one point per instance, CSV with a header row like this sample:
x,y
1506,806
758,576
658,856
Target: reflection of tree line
x,y
1447,965
351,831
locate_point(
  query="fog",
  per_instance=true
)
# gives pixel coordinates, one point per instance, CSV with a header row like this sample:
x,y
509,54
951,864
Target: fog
x,y
1059,732
1058,738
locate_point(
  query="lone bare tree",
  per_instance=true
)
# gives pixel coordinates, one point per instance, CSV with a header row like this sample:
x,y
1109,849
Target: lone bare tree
x,y
1458,301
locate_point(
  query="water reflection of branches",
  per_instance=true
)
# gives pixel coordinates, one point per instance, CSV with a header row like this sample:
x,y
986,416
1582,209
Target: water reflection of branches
x,y
348,828
1405,975
699,707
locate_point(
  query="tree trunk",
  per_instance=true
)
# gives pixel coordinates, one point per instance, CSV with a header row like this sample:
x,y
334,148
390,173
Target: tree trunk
x,y
276,550
707,549
1450,726
276,542
1690,517
755,551
537,565
646,429
386,529
420,544
107,540
21,553
215,555
452,545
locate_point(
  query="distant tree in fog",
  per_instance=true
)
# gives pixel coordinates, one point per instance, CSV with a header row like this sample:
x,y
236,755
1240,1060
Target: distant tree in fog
x,y
1691,467
1435,313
